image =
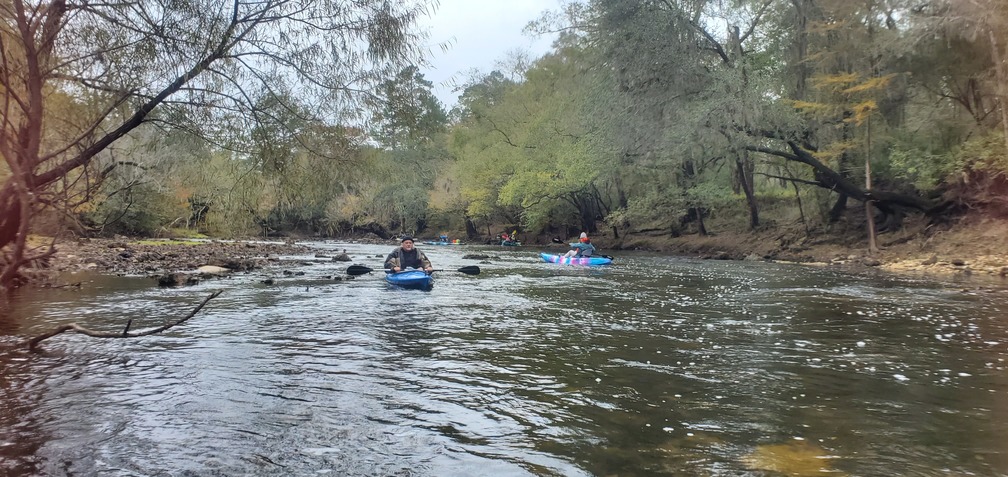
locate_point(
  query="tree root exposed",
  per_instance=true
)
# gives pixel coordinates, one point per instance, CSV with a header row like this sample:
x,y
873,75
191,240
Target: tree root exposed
x,y
125,333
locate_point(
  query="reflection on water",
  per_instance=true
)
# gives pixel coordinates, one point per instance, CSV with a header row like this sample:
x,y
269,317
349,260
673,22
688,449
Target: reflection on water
x,y
654,366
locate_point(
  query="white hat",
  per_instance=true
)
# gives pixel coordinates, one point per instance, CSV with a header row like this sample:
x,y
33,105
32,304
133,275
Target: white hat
x,y
583,235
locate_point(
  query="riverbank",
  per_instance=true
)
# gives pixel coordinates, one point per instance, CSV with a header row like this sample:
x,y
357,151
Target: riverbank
x,y
175,262
972,246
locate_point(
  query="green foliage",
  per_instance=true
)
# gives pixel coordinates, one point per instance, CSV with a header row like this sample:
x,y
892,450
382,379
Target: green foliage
x,y
925,169
709,195
932,168
527,151
983,155
647,209
182,234
408,114
637,119
142,210
980,177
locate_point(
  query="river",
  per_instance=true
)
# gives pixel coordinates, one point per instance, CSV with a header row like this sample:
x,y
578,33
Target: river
x,y
655,365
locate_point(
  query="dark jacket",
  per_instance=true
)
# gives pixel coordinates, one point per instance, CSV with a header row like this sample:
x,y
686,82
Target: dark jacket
x,y
403,259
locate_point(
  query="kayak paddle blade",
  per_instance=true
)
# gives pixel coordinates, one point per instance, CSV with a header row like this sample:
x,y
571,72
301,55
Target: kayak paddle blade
x,y
358,270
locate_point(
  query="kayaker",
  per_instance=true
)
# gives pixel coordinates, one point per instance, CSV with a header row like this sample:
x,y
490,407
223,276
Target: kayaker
x,y
583,248
407,256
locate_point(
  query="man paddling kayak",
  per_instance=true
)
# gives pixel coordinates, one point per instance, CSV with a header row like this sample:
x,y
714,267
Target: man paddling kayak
x,y
407,256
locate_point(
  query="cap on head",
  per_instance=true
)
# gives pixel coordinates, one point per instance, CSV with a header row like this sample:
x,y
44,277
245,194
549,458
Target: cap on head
x,y
584,235
406,237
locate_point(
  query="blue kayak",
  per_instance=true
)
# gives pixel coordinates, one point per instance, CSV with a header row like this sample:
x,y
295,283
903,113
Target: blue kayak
x,y
583,261
413,279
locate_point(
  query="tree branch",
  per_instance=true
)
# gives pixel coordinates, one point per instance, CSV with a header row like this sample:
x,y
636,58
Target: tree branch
x,y
33,343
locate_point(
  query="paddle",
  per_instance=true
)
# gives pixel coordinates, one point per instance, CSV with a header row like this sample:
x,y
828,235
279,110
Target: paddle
x,y
358,270
361,270
469,270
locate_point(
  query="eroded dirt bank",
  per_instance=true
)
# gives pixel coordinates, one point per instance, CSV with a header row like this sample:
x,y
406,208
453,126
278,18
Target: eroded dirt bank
x,y
971,247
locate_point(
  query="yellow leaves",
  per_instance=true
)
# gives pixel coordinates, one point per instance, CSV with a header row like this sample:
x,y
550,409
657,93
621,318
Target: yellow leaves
x,y
870,85
852,83
83,208
835,149
817,109
348,205
834,82
862,111
182,192
856,95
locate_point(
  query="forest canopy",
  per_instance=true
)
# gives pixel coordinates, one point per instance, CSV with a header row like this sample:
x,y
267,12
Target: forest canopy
x,y
658,116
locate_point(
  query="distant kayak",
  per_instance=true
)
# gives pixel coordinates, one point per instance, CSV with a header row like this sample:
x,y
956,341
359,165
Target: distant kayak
x,y
413,279
583,261
443,243
510,243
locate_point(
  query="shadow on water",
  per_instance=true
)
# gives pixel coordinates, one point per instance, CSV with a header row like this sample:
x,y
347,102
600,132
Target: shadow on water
x,y
653,366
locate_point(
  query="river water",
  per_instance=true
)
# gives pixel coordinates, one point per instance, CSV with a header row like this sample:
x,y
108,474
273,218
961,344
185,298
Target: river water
x,y
653,366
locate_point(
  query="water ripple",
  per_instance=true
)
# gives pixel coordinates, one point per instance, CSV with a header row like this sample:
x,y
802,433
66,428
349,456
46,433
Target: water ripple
x,y
656,366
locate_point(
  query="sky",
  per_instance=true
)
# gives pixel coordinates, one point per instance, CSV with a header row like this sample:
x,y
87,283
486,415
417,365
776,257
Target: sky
x,y
479,33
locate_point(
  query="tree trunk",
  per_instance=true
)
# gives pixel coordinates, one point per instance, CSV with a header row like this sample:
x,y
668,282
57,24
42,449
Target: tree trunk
x,y
801,209
585,204
470,226
803,9
869,210
837,211
10,215
744,172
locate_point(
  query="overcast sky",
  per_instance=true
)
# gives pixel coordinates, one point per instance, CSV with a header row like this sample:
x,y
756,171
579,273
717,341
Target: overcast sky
x,y
479,33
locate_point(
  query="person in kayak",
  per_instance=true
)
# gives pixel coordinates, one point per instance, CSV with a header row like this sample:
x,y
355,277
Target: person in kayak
x,y
583,248
407,256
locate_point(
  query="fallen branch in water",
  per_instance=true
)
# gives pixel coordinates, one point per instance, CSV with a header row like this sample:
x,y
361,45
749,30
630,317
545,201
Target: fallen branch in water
x,y
118,334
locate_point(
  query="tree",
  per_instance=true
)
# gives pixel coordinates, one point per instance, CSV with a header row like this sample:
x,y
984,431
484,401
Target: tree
x,y
200,65
409,115
983,21
679,88
477,167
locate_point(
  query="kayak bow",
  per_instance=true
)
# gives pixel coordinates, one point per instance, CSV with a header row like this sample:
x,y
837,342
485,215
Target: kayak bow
x,y
412,279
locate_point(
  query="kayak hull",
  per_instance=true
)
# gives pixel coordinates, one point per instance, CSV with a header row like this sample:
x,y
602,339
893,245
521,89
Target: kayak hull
x,y
510,243
442,243
412,279
582,261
